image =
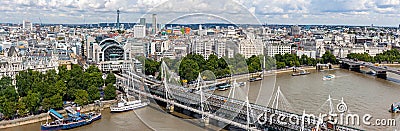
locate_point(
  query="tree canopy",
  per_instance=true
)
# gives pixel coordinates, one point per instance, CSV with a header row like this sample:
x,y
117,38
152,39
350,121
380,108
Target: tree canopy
x,y
389,56
38,92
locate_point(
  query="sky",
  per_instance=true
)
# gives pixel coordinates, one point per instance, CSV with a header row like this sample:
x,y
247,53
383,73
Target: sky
x,y
333,12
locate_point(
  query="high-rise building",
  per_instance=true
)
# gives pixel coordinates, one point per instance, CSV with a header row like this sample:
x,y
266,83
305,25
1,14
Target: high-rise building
x,y
143,21
117,19
26,25
139,31
295,30
220,49
154,24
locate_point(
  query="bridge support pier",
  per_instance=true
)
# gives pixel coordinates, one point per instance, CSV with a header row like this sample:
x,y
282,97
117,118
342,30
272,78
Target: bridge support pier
x,y
355,68
206,121
352,67
381,74
170,108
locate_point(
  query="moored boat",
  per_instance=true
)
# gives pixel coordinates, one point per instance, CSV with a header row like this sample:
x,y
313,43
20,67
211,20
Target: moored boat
x,y
72,121
124,105
302,72
223,87
255,79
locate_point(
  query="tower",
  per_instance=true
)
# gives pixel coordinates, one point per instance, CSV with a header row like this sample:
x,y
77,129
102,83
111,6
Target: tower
x,y
117,19
142,21
154,24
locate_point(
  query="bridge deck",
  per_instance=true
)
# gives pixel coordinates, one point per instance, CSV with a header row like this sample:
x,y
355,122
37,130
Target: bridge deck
x,y
221,107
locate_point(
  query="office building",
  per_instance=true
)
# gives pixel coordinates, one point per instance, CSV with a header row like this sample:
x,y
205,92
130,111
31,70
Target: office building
x,y
139,31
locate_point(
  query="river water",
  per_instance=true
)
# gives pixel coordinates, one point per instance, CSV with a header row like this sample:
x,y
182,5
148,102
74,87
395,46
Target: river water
x,y
363,94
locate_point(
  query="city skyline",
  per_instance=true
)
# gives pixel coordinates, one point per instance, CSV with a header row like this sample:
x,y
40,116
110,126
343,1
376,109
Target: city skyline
x,y
365,12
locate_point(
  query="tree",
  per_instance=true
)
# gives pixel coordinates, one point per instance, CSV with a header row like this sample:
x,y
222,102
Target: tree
x,y
21,108
32,101
151,67
92,69
92,79
8,109
24,82
94,93
81,97
5,82
280,65
109,92
56,101
46,104
212,62
189,69
110,79
254,63
60,87
328,57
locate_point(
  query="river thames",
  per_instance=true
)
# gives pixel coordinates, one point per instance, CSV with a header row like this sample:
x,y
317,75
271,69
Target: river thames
x,y
362,93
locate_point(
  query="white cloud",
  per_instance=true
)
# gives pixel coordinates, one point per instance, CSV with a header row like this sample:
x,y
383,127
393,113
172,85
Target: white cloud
x,y
273,11
285,16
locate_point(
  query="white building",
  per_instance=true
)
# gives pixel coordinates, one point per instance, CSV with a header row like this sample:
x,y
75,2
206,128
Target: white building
x,y
27,25
272,50
137,47
14,62
250,47
310,54
220,49
110,55
202,47
139,31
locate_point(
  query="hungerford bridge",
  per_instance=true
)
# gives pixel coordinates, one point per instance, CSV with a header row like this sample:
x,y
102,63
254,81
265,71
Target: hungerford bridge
x,y
216,109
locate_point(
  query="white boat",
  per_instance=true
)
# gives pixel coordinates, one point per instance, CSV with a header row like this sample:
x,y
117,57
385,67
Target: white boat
x,y
237,84
329,77
125,105
242,83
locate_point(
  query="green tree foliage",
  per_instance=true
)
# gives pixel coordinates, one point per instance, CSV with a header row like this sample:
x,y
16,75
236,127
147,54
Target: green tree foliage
x,y
22,108
388,56
361,56
189,69
8,98
110,79
328,57
32,100
92,79
254,63
54,102
43,91
8,109
94,93
92,69
151,67
291,60
110,92
81,97
212,62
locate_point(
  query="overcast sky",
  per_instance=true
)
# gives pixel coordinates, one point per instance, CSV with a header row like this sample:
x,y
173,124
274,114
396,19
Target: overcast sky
x,y
343,12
